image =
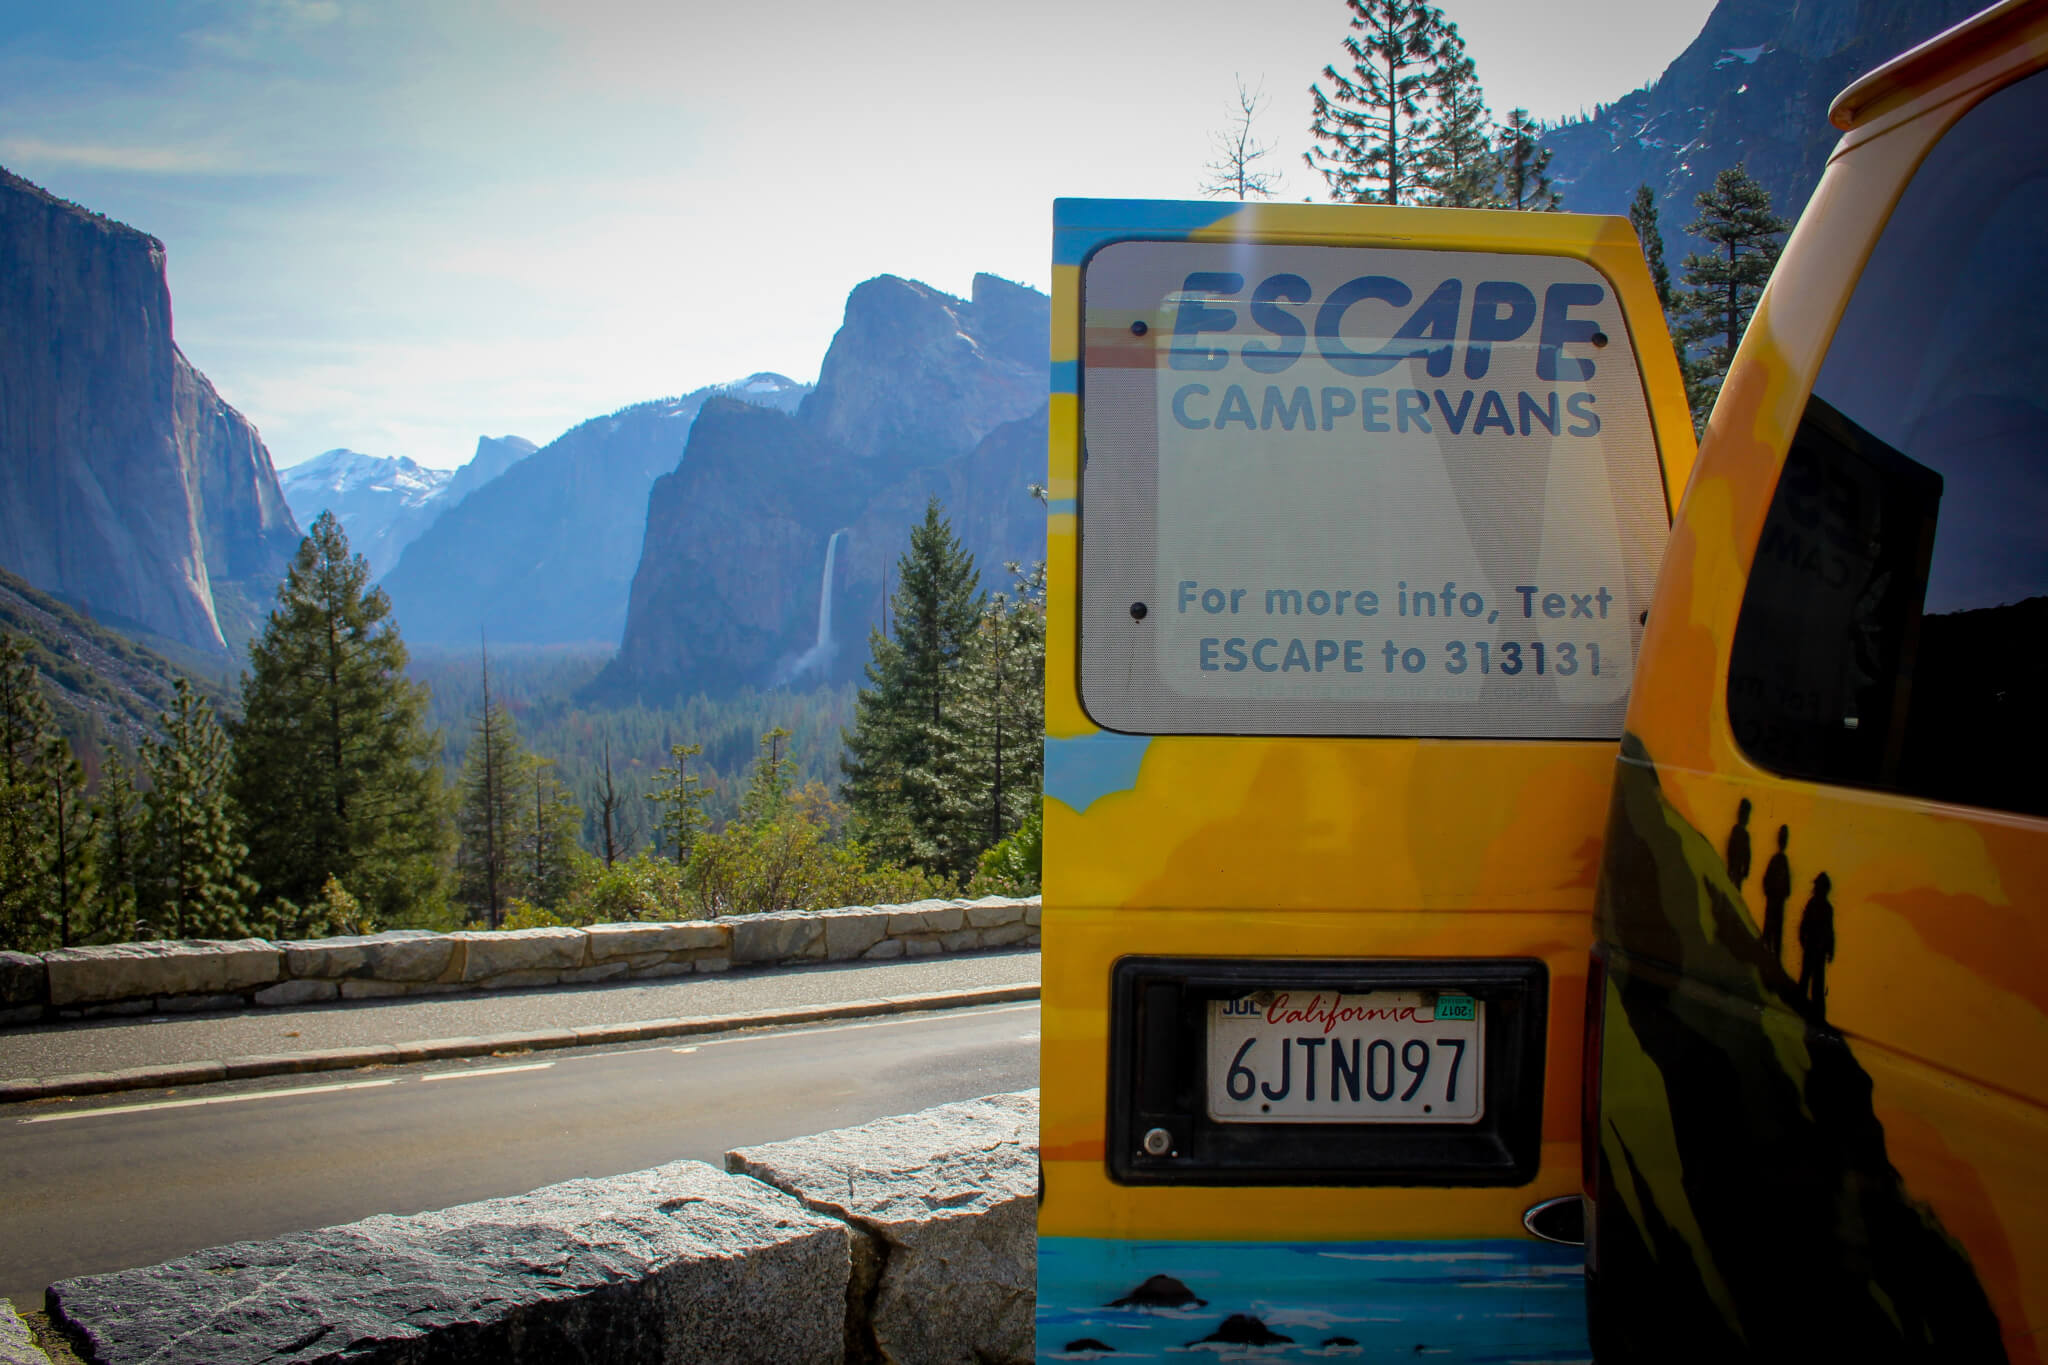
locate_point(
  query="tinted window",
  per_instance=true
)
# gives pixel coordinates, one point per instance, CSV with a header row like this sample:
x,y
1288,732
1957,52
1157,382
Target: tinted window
x,y
1894,633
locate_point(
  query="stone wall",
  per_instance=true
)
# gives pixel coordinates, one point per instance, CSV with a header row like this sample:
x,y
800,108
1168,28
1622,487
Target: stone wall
x,y
908,1240
187,975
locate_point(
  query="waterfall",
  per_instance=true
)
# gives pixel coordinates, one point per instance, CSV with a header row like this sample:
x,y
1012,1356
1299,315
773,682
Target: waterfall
x,y
819,656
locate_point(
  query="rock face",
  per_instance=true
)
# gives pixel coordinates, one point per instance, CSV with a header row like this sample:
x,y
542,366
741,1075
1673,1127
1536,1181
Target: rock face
x,y
921,395
544,553
386,502
1753,87
947,1199
671,1266
125,482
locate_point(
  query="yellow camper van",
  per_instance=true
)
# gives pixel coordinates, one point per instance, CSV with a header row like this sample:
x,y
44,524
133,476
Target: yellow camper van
x,y
1819,1023
1355,513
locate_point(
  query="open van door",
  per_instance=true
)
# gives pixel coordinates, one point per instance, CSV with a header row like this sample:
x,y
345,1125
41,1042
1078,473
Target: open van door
x,y
1355,514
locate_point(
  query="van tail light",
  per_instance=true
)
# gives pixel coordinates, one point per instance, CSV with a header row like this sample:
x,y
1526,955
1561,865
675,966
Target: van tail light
x,y
1589,1096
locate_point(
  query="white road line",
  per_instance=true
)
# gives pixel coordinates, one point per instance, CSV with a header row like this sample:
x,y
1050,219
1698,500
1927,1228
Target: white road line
x,y
487,1071
209,1099
859,1024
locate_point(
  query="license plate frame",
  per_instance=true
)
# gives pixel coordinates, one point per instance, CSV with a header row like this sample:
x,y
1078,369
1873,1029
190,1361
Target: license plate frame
x,y
1162,1130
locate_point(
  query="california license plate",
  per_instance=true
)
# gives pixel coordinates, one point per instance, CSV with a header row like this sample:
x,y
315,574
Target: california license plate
x,y
1289,1056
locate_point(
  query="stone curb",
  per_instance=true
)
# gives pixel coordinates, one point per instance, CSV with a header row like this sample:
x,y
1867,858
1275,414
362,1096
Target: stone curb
x,y
437,1049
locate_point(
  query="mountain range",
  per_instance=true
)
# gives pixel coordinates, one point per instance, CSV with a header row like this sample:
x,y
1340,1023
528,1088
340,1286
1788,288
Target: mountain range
x,y
1753,87
384,502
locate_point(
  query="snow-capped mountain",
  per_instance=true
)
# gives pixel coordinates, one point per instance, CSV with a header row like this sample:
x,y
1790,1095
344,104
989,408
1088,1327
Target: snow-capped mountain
x,y
384,502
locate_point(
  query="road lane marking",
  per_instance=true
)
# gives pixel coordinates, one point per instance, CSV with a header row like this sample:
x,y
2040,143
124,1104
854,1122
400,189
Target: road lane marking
x,y
919,1018
487,1071
209,1099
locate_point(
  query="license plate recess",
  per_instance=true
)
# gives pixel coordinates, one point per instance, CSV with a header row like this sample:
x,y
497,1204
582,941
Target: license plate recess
x,y
1326,1071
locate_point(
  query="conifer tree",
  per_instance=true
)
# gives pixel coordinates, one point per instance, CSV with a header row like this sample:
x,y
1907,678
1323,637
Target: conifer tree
x,y
548,844
1642,216
1524,166
68,870
488,820
194,886
1722,287
996,756
335,769
768,785
1462,170
1373,125
680,795
121,852
26,725
893,786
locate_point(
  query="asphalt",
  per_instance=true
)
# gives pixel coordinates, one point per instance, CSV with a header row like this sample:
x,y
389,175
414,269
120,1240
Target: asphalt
x,y
138,1052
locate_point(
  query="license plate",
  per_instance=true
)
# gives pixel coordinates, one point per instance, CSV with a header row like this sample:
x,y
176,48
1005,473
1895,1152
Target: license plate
x,y
1288,1056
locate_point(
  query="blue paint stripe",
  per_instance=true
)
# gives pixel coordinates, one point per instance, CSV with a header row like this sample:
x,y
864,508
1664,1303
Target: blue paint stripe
x,y
1066,376
1064,507
1081,771
1081,225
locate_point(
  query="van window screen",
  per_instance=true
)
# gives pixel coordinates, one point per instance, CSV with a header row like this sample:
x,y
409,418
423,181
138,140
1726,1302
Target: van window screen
x,y
1360,491
1894,631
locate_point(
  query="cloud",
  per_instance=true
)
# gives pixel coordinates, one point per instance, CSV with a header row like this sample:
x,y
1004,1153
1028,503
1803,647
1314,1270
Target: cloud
x,y
107,156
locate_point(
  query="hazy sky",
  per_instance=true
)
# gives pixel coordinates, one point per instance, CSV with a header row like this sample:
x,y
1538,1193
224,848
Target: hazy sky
x,y
397,224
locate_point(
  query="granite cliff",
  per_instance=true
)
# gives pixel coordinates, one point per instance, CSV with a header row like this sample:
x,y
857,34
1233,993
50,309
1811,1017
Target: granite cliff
x,y
126,483
544,553
767,550
385,502
1753,87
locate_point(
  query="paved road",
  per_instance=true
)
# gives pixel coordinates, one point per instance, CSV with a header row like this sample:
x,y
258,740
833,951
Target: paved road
x,y
132,1179
113,1044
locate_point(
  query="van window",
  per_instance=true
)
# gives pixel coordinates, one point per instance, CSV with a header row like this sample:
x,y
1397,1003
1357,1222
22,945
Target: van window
x,y
1361,491
1894,632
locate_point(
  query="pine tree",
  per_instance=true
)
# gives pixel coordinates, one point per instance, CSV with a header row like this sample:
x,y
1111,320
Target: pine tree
x,y
996,756
1524,166
768,785
1373,125
194,886
893,786
680,795
1722,288
489,818
1642,215
1462,170
26,725
69,871
548,845
122,854
334,766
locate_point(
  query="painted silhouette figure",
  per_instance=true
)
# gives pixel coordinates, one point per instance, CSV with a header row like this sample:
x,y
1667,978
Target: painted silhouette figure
x,y
1737,857
1816,943
1777,890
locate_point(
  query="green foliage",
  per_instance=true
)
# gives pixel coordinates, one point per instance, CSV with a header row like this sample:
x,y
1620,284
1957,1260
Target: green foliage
x,y
768,785
1524,166
548,848
644,888
122,853
1013,867
521,913
993,759
492,791
193,885
1722,287
1373,127
790,863
335,770
1461,168
69,874
26,725
679,795
895,761
1642,216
